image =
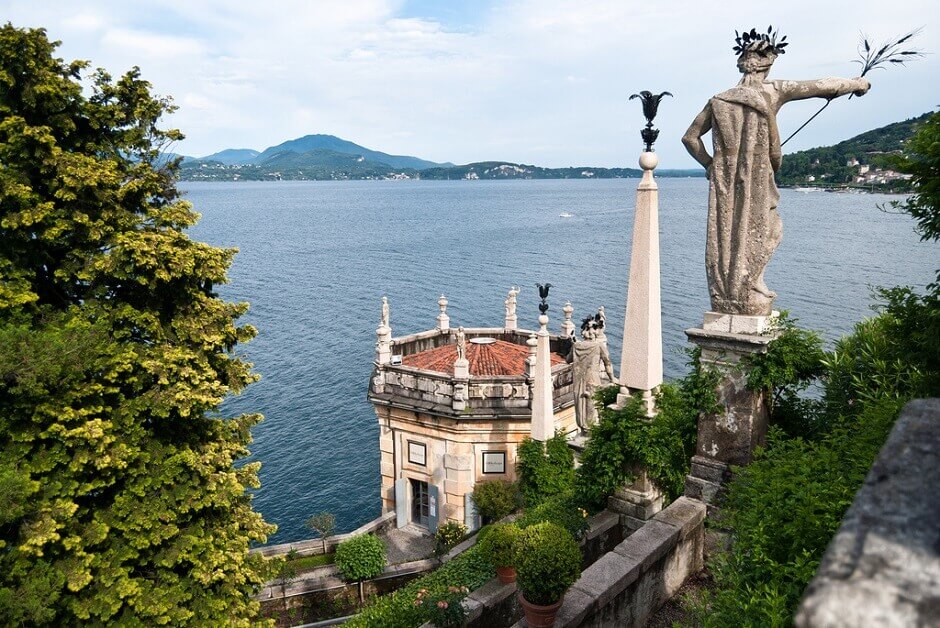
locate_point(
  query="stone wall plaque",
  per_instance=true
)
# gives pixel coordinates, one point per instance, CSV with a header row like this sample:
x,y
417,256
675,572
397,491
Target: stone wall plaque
x,y
417,453
494,462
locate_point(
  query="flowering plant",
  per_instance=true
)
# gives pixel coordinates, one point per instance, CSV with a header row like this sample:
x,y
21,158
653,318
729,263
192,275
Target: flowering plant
x,y
444,608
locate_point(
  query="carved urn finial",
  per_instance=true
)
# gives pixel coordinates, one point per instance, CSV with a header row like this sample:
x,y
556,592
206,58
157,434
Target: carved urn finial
x,y
443,320
567,327
650,107
543,294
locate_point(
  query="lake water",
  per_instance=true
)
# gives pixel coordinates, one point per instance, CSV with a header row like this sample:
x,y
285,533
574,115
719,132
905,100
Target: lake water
x,y
316,258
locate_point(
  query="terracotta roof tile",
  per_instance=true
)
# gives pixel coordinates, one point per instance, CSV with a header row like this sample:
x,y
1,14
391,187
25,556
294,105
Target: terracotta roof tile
x,y
496,358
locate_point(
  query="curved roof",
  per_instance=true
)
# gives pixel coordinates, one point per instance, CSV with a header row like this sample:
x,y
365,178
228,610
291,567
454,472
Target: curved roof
x,y
493,359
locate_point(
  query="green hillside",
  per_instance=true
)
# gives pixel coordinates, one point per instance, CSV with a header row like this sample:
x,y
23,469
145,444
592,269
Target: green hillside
x,y
828,165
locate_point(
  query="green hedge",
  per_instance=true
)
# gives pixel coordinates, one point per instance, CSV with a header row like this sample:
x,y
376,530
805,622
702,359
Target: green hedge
x,y
398,609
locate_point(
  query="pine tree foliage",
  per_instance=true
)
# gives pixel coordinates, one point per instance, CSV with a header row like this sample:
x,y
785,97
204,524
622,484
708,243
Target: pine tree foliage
x,y
119,498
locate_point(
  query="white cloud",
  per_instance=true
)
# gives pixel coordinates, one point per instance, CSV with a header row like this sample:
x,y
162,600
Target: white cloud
x,y
542,81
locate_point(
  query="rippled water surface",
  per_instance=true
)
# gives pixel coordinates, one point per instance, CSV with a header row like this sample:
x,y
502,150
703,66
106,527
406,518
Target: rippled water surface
x,y
316,258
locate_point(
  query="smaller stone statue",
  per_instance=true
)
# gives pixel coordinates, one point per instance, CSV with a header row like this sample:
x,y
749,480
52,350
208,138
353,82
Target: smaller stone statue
x,y
461,344
511,302
586,358
385,314
601,320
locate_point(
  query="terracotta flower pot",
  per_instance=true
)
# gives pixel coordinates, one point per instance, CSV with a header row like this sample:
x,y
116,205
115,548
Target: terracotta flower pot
x,y
507,575
538,616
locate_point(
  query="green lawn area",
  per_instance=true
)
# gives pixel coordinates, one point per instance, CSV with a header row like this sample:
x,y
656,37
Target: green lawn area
x,y
305,563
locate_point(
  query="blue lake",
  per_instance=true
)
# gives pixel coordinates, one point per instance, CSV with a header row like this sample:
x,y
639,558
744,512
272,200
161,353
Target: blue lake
x,y
316,258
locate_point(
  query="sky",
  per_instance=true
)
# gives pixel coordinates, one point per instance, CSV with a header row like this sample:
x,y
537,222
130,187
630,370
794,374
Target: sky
x,y
541,82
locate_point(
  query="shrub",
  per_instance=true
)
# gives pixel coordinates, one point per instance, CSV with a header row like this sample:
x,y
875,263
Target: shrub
x,y
783,509
549,563
563,509
545,469
324,524
500,545
361,557
398,609
624,440
447,536
444,609
494,499
793,362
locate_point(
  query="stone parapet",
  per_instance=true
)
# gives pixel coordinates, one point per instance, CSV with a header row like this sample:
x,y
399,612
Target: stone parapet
x,y
883,566
626,586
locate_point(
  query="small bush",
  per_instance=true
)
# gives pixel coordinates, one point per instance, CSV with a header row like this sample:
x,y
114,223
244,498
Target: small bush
x,y
500,545
625,440
563,509
549,563
545,469
447,536
361,557
494,499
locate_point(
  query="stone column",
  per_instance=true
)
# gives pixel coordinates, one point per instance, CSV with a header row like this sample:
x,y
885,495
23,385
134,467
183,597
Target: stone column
x,y
641,358
567,328
443,320
729,436
543,412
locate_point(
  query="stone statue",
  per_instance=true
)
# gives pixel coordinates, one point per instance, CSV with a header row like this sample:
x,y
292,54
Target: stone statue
x,y
461,344
744,228
586,357
510,302
384,321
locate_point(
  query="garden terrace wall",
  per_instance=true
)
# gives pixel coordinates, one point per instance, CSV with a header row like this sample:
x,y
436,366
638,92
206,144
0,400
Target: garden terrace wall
x,y
321,594
626,586
883,566
314,547
494,605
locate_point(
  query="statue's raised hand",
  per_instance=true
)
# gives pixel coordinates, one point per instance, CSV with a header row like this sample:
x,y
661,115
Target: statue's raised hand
x,y
864,86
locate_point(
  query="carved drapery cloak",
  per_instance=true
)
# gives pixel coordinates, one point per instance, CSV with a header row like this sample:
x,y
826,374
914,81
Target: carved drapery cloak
x,y
586,358
744,228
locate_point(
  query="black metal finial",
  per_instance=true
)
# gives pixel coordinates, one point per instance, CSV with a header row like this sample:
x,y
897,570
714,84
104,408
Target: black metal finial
x,y
543,293
650,107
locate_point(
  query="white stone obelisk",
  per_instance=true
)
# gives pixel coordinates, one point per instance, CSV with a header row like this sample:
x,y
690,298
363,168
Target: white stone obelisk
x,y
641,359
543,412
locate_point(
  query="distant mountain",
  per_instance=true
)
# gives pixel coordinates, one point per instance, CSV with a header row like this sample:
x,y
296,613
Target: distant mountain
x,y
310,143
327,157
851,160
232,156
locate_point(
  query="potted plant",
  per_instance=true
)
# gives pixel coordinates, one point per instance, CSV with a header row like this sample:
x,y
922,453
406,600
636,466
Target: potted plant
x,y
500,547
549,563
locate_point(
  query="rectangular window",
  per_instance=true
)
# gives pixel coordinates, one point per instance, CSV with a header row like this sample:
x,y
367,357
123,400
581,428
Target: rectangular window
x,y
494,462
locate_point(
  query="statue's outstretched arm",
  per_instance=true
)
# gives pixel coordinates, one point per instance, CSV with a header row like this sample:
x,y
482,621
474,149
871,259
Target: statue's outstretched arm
x,y
692,139
827,88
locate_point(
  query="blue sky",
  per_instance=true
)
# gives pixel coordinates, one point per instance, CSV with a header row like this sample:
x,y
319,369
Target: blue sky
x,y
532,81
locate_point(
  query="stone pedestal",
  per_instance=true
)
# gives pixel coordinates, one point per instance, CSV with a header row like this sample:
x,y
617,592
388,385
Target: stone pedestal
x,y
728,437
637,502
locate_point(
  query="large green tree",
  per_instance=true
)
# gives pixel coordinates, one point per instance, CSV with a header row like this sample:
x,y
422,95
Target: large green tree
x,y
119,498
